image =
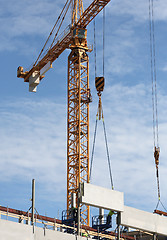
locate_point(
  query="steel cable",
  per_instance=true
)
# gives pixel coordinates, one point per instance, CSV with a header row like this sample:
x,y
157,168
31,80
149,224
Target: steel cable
x,y
103,39
61,23
97,115
153,73
107,150
154,93
58,19
154,86
108,156
94,139
94,23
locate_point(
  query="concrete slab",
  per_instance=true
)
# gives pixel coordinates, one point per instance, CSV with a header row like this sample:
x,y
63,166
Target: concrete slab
x,y
102,197
149,222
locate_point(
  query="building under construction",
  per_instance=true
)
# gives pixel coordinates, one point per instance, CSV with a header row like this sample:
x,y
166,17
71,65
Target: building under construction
x,y
131,223
75,223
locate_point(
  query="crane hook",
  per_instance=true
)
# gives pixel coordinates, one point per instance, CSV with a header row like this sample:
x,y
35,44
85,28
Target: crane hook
x,y
156,155
99,83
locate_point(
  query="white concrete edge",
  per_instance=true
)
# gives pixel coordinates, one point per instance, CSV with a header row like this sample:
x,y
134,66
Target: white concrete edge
x,y
131,217
102,197
142,220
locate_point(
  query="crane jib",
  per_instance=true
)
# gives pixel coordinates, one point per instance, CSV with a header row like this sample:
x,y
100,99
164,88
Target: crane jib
x,y
90,13
52,54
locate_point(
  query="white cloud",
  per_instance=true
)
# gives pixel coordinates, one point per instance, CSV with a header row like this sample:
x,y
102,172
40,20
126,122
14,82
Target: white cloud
x,y
164,69
128,116
139,10
34,19
25,21
33,135
33,144
127,35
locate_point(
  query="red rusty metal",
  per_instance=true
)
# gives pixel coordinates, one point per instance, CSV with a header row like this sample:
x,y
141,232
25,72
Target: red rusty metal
x,y
22,213
160,212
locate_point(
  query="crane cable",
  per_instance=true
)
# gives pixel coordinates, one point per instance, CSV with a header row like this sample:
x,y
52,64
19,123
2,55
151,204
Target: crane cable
x,y
104,128
61,23
107,149
154,95
103,38
59,19
94,24
153,74
154,91
99,114
108,156
94,138
93,148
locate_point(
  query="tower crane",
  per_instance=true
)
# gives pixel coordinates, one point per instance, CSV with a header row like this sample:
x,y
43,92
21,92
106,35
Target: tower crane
x,y
79,97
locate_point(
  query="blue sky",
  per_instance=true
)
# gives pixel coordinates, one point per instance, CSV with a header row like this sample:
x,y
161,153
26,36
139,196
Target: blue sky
x,y
33,125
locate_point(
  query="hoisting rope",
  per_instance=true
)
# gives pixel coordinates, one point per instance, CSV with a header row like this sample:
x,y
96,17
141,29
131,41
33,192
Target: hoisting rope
x,y
153,73
94,138
100,116
99,82
153,67
93,148
103,38
154,95
94,24
108,156
154,91
95,46
101,110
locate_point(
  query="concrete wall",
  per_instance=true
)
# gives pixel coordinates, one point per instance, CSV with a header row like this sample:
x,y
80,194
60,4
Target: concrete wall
x,y
131,217
17,231
138,219
102,197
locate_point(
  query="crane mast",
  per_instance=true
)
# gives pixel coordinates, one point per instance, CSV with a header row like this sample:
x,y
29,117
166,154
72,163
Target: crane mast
x,y
79,96
78,126
77,11
78,114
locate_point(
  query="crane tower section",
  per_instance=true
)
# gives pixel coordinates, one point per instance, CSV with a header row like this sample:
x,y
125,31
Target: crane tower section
x,y
75,38
78,126
77,11
78,119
